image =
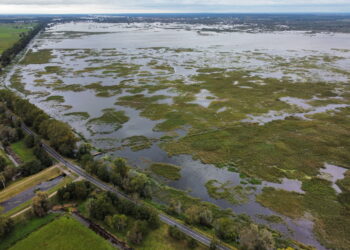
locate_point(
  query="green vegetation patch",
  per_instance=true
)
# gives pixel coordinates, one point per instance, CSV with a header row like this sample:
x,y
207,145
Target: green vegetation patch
x,y
24,228
81,115
115,69
139,101
24,153
55,98
39,57
166,170
332,223
111,117
137,142
63,233
10,34
272,218
234,194
281,201
17,83
70,87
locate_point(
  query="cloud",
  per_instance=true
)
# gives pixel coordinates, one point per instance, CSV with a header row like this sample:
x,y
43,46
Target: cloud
x,y
115,6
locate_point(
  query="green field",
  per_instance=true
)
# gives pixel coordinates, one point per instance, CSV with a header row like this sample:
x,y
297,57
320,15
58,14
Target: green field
x,y
63,233
24,228
23,152
9,34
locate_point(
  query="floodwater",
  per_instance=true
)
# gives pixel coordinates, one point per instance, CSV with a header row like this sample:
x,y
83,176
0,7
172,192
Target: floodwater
x,y
29,193
184,50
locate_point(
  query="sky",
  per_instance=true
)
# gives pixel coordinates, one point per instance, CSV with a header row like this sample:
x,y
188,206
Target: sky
x,y
169,6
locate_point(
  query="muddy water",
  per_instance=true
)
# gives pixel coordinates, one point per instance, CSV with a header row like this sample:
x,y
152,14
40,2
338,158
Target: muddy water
x,y
135,44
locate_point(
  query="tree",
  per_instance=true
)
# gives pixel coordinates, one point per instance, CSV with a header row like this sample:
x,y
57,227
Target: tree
x,y
84,149
3,163
102,173
9,172
137,232
175,207
252,238
120,167
206,217
192,214
137,184
120,222
31,167
175,233
43,157
214,244
100,207
29,141
80,190
3,180
225,229
192,243
40,204
6,225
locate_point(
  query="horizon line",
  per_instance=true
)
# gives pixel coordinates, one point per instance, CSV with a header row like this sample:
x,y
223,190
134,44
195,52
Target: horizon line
x,y
151,13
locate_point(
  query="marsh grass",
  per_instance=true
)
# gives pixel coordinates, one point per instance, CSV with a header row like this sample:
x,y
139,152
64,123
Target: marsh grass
x,y
166,170
110,117
55,98
137,142
234,194
332,225
81,115
39,57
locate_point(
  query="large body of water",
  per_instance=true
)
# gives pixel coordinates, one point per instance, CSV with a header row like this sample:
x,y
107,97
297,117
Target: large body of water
x,y
76,46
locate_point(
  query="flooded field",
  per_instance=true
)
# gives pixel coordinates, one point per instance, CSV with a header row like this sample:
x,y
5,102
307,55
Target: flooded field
x,y
242,114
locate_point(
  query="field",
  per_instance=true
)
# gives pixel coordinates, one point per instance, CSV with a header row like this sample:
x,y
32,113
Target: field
x,y
9,34
24,228
24,153
63,233
28,182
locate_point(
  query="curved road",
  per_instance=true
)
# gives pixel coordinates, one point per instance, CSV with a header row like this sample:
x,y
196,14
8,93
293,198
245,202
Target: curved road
x,y
164,218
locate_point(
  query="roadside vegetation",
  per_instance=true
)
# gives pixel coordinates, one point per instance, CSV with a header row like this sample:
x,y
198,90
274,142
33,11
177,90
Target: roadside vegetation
x,y
58,133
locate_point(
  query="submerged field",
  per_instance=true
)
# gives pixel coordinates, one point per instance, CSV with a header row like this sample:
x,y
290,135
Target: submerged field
x,y
232,115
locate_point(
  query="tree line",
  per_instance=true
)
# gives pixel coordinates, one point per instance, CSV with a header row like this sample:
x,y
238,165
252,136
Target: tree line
x,y
59,134
10,132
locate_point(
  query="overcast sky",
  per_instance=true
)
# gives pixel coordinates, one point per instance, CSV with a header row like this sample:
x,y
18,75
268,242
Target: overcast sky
x,y
146,6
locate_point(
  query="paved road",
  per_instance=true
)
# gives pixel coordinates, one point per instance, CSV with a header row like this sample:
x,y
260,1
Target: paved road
x,y
166,219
